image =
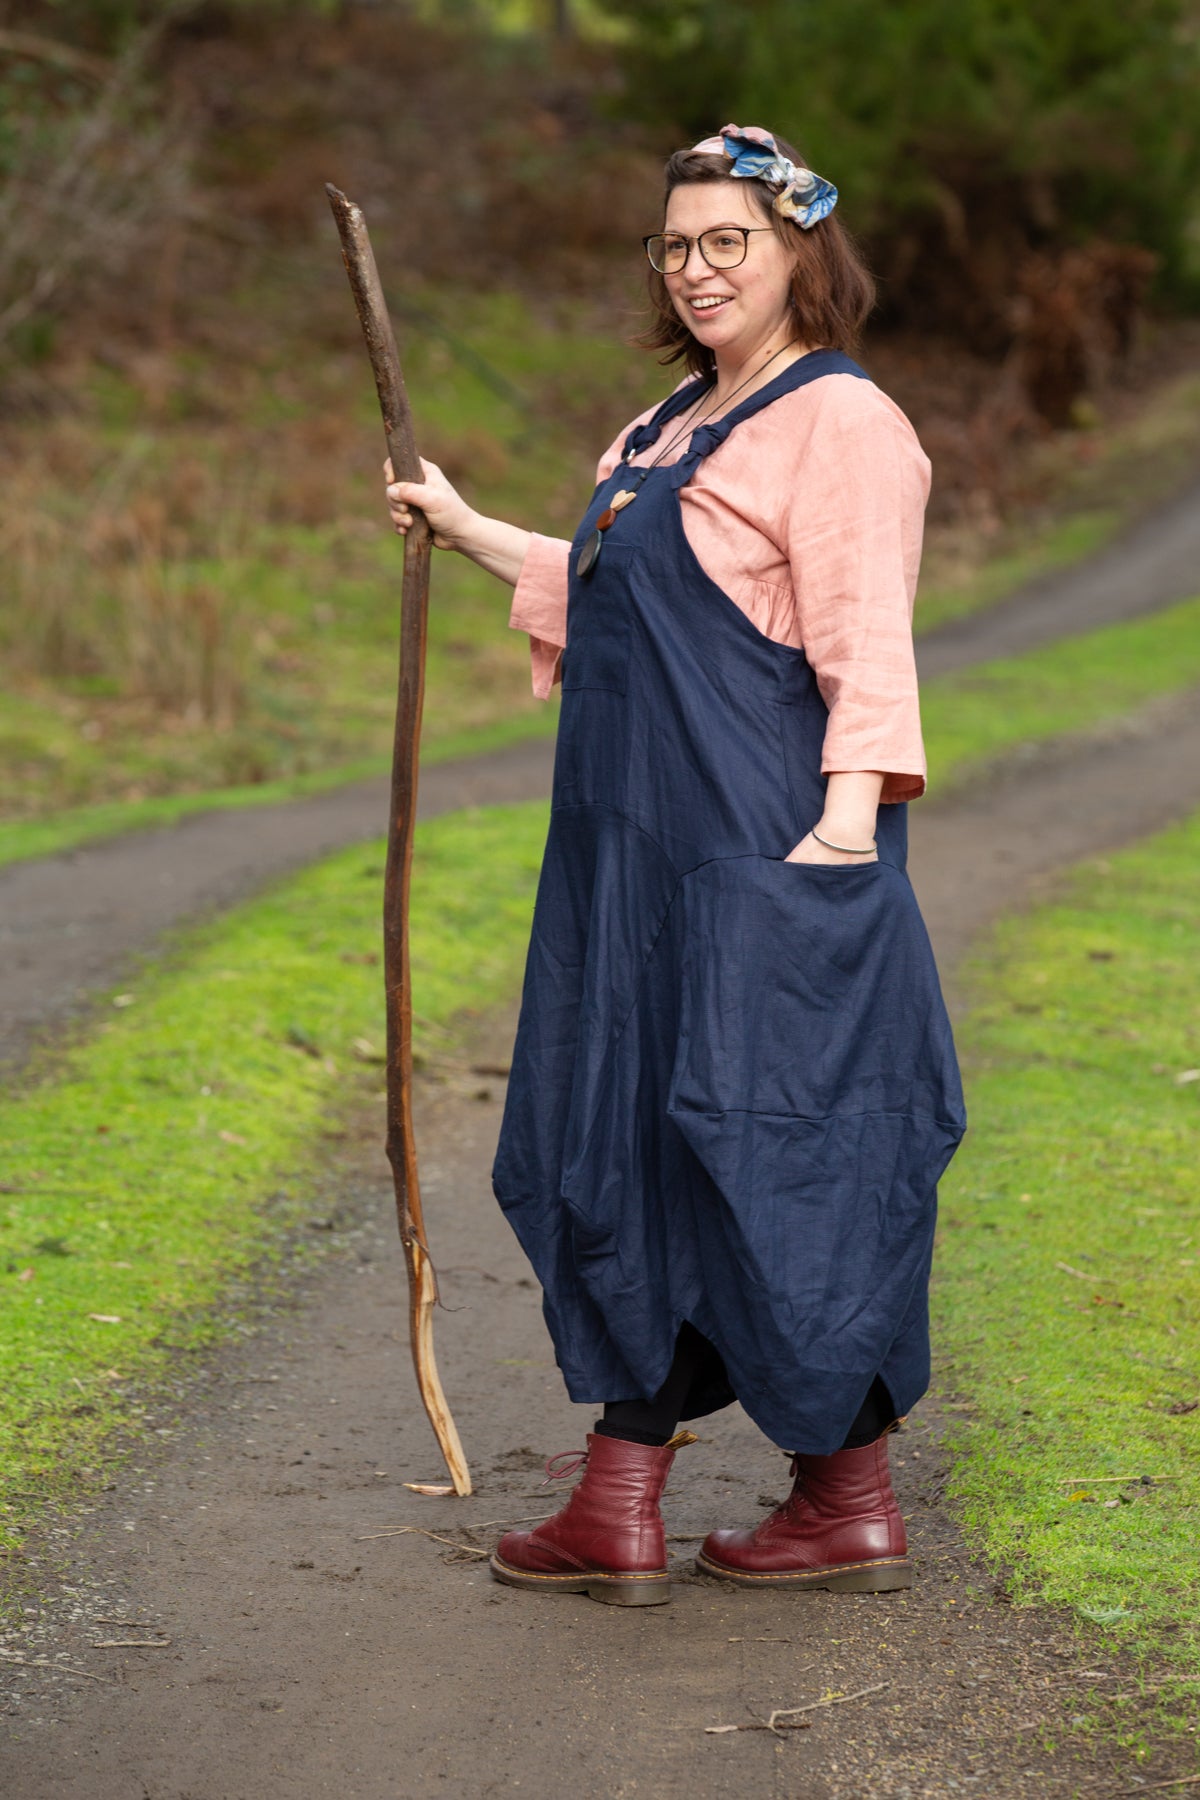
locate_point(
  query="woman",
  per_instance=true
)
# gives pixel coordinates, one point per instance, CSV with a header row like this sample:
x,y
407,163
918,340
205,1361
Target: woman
x,y
733,1087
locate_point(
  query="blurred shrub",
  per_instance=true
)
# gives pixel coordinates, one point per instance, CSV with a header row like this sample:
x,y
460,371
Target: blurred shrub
x,y
107,564
91,169
962,133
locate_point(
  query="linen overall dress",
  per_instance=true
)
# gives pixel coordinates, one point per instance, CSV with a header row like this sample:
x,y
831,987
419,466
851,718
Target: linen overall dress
x,y
734,1086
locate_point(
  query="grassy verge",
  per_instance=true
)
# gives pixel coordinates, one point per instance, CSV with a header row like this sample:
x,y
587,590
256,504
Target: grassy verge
x,y
1080,684
152,1166
21,839
1067,1291
1075,491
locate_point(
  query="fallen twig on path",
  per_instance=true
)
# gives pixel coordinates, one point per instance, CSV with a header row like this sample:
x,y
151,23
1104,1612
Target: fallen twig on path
x,y
1179,1781
525,1519
760,1725
484,1524
132,1644
44,1662
419,1531
1098,1480
787,1712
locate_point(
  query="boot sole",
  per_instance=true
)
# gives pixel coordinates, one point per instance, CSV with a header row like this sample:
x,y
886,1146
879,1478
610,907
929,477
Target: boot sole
x,y
650,1589
879,1576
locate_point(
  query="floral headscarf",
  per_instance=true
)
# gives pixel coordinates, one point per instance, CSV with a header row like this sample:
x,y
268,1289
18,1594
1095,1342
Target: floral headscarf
x,y
800,194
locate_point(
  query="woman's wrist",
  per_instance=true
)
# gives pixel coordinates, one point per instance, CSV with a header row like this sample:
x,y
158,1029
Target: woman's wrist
x,y
851,805
494,544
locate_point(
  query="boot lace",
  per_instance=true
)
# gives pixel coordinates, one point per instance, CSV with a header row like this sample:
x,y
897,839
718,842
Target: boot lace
x,y
795,1499
574,1459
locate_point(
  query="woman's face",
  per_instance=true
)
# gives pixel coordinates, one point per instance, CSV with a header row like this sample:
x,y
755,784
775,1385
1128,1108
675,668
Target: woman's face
x,y
734,312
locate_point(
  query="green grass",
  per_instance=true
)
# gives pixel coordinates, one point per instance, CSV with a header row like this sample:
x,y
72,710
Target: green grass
x,y
1067,1296
1079,684
165,1157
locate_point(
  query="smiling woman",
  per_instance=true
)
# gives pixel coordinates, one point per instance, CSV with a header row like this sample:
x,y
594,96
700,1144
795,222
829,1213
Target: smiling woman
x,y
828,289
733,1088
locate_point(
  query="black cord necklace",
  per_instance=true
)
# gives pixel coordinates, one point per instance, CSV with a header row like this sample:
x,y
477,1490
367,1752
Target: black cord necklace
x,y
589,556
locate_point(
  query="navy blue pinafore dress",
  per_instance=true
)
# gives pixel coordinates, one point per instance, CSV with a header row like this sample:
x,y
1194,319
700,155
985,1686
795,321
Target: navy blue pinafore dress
x,y
734,1086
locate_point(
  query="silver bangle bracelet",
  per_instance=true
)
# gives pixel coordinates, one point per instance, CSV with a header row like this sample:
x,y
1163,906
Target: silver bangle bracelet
x,y
844,848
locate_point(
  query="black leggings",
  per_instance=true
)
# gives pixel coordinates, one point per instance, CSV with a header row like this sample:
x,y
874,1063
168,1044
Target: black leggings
x,y
654,1421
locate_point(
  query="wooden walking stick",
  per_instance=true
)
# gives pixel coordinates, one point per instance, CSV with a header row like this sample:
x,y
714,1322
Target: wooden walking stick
x,y
414,608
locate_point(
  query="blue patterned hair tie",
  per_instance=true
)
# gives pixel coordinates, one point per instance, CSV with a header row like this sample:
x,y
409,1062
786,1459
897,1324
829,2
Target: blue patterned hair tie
x,y
800,194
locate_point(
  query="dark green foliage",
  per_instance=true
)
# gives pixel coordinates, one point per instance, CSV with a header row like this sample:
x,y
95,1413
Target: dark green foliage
x,y
956,128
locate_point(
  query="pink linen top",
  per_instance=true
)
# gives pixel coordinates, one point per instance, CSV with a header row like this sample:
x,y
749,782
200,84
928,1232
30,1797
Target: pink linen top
x,y
809,516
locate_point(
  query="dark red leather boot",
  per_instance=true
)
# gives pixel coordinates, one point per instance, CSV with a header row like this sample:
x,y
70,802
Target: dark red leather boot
x,y
839,1528
608,1540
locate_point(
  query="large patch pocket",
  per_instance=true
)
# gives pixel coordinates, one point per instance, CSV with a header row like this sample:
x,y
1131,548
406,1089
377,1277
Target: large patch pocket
x,y
599,630
802,988
815,1084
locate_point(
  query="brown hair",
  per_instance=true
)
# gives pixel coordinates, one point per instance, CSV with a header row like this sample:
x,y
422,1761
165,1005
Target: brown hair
x,y
833,291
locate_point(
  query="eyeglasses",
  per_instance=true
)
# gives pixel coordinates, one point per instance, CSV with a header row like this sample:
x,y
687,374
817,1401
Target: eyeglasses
x,y
724,247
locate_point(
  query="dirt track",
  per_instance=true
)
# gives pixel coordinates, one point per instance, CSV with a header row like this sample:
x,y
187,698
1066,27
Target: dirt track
x,y
307,1658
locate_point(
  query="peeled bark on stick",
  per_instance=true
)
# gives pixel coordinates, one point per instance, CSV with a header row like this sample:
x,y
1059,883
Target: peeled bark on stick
x,y
414,607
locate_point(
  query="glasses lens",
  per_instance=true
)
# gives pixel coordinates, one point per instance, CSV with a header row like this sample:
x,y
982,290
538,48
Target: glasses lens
x,y
667,254
723,248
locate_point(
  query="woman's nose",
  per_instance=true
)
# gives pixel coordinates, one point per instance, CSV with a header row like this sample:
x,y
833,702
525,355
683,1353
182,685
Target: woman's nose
x,y
694,263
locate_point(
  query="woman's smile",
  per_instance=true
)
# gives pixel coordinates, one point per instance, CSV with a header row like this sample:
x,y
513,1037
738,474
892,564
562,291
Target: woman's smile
x,y
708,302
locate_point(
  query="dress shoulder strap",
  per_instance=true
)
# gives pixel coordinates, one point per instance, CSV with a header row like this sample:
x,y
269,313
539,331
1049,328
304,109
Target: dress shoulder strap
x,y
706,438
642,436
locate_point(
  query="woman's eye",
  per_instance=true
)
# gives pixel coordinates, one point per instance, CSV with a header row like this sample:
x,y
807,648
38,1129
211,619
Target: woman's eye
x,y
725,240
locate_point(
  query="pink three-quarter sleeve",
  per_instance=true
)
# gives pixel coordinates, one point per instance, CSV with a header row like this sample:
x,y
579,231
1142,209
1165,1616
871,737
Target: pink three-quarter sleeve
x,y
853,538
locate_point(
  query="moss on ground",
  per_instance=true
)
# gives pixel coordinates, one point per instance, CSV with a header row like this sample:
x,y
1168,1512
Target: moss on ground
x,y
1067,1289
152,1166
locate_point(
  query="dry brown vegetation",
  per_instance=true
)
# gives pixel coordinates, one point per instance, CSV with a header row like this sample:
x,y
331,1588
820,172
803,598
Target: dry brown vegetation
x,y
183,385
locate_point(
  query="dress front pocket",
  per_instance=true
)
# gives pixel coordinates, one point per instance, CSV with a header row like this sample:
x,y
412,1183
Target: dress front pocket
x,y
796,987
